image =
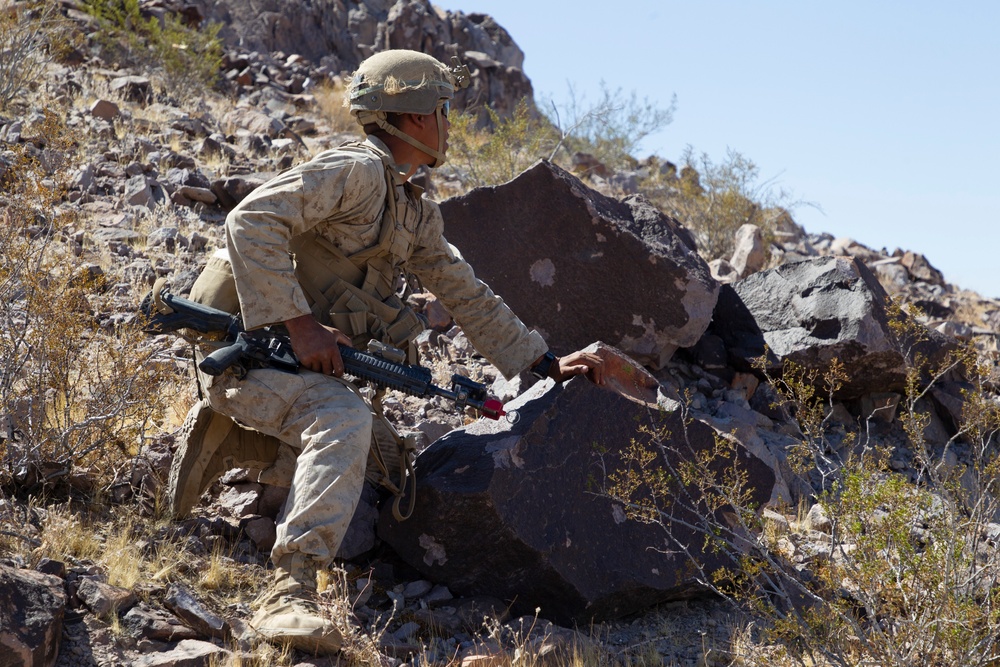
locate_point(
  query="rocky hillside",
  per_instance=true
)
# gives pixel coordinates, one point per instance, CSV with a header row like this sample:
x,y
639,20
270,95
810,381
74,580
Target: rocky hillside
x,y
526,544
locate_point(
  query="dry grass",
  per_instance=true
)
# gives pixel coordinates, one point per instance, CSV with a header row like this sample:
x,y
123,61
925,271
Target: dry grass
x,y
169,562
65,534
131,551
330,97
122,557
24,30
361,644
221,574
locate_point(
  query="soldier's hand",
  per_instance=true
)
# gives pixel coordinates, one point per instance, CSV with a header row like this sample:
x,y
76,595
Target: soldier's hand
x,y
316,345
579,363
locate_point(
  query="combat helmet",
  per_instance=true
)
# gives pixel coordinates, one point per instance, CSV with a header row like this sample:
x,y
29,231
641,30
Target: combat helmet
x,y
404,81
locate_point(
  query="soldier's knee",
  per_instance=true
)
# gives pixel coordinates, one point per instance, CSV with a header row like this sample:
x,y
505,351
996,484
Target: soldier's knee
x,y
348,421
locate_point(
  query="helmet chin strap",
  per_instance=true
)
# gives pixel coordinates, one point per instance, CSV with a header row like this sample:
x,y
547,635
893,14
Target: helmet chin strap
x,y
440,154
378,117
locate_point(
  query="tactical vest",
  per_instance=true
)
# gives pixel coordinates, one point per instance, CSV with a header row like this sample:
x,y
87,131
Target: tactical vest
x,y
355,294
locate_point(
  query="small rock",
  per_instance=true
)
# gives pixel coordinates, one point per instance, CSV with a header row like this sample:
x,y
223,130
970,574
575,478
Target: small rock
x,y
202,195
499,659
54,567
417,589
240,500
189,609
438,594
817,519
145,622
138,192
104,599
406,631
104,110
749,255
133,88
188,653
262,531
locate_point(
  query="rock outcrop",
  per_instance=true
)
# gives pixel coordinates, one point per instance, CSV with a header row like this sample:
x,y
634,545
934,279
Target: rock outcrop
x,y
338,36
516,511
580,266
814,312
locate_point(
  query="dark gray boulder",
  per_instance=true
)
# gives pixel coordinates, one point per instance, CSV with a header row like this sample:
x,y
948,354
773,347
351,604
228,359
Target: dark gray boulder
x,y
515,511
817,311
32,606
580,266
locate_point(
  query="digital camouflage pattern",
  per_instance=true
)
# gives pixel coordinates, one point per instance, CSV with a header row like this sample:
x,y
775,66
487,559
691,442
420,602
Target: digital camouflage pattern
x,y
341,196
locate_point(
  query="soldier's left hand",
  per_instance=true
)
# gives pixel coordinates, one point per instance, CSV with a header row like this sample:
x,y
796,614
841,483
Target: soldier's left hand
x,y
579,363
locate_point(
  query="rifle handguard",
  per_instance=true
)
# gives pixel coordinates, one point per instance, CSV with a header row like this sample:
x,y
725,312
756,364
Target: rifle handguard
x,y
166,312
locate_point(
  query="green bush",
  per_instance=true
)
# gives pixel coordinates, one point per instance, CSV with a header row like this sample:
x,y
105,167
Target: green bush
x,y
715,199
610,129
906,574
712,199
188,60
489,156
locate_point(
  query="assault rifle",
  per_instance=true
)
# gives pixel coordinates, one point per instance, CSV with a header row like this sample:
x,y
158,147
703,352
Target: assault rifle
x,y
382,365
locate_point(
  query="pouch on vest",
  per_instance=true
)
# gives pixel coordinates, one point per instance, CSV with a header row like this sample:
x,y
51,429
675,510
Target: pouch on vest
x,y
356,294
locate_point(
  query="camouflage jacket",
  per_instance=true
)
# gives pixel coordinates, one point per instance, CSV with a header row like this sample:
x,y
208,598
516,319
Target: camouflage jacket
x,y
340,195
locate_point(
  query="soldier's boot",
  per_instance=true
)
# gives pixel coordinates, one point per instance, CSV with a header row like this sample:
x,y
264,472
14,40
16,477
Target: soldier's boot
x,y
289,613
212,443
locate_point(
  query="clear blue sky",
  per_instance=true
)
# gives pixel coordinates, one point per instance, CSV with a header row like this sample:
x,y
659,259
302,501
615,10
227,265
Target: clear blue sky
x,y
885,114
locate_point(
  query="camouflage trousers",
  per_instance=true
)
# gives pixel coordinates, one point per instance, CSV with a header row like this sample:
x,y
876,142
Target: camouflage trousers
x,y
329,426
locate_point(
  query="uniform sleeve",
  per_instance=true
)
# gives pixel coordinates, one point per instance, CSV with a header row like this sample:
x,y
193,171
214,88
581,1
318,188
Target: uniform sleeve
x,y
489,323
258,231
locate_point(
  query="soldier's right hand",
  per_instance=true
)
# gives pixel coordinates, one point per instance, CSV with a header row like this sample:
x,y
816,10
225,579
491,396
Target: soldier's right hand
x,y
316,345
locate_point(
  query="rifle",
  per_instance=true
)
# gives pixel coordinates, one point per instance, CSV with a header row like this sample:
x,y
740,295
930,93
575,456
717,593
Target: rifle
x,y
382,365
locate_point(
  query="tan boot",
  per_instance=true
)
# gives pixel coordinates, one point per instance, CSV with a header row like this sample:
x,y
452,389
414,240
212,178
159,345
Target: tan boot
x,y
211,444
289,613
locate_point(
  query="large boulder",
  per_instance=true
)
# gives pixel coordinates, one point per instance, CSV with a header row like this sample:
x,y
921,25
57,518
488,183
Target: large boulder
x,y
817,311
516,511
580,266
32,606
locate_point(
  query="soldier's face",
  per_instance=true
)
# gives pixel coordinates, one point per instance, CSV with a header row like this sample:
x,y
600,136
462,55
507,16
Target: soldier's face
x,y
445,125
431,130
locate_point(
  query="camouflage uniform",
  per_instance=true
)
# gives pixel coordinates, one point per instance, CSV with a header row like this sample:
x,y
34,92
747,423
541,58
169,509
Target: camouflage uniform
x,y
341,197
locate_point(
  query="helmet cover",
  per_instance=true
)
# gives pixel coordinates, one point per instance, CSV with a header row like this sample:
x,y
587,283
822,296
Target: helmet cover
x,y
400,81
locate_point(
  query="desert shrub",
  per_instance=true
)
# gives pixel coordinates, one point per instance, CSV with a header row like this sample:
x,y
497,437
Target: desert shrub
x,y
715,199
331,103
712,199
23,40
73,393
187,59
907,570
610,129
489,156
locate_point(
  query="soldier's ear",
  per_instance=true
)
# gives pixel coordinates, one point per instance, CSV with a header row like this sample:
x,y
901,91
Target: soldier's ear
x,y
421,120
